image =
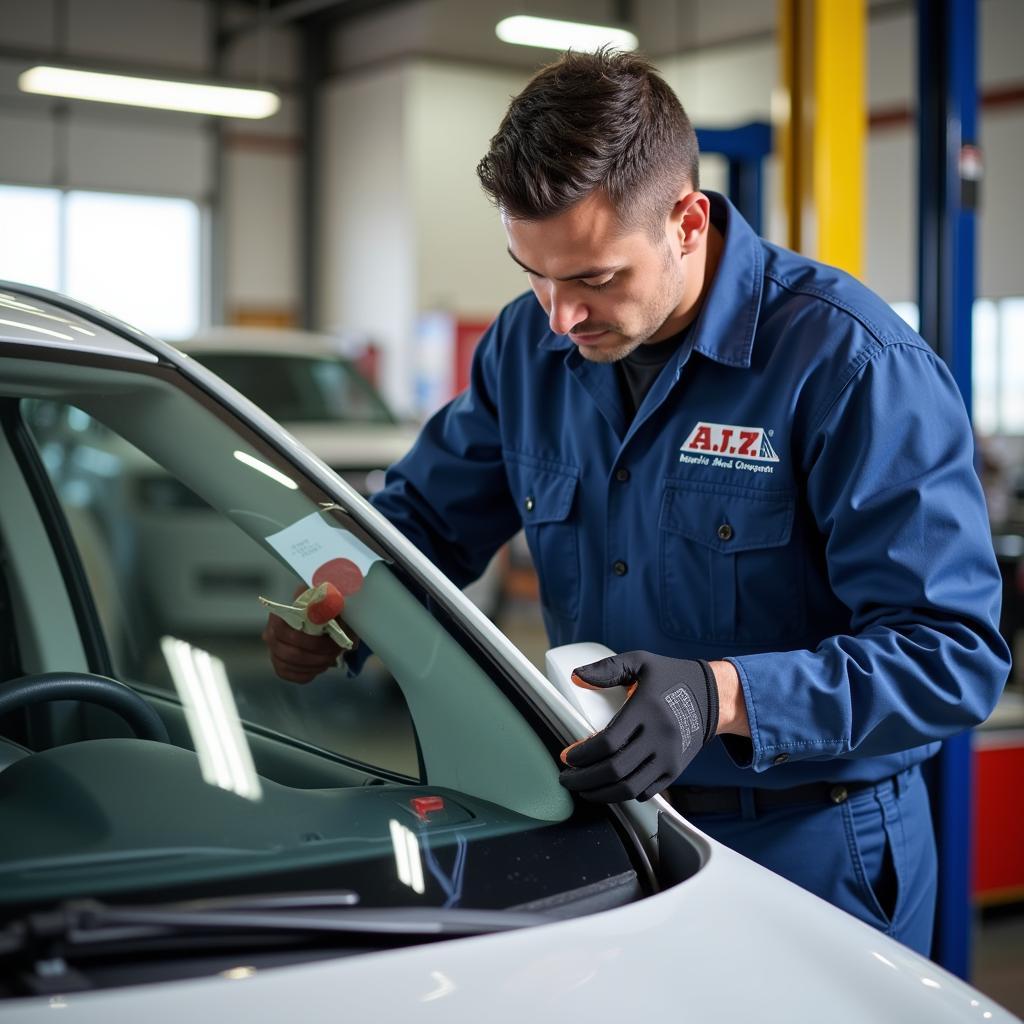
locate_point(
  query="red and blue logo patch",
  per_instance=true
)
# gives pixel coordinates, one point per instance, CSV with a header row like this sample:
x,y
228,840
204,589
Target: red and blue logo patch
x,y
730,441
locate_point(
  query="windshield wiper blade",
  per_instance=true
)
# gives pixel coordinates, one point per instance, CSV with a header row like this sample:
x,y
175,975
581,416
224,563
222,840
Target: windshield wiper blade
x,y
77,919
81,924
48,950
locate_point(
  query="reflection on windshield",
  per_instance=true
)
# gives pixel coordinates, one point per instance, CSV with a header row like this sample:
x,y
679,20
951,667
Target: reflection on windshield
x,y
407,856
202,684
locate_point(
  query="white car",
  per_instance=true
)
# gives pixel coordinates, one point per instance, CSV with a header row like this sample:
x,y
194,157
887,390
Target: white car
x,y
378,852
302,381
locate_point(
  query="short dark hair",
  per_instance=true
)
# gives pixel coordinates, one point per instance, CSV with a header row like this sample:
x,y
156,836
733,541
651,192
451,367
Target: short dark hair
x,y
590,121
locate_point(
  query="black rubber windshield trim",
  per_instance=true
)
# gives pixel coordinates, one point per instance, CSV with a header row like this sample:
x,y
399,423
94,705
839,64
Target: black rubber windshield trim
x,y
59,534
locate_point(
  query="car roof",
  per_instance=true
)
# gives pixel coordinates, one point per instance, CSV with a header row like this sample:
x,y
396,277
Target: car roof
x,y
36,318
263,340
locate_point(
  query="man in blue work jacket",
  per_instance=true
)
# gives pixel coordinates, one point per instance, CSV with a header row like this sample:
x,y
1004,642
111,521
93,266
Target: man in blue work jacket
x,y
739,466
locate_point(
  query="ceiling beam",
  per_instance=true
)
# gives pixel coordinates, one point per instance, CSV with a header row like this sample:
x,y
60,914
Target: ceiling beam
x,y
297,10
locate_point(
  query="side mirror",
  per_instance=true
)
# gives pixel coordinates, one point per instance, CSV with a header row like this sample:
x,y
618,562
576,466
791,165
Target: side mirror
x,y
596,706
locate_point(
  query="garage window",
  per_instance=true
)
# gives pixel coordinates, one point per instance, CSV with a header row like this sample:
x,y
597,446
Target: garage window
x,y
138,257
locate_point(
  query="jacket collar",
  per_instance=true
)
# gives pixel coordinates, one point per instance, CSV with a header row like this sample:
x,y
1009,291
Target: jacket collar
x,y
727,322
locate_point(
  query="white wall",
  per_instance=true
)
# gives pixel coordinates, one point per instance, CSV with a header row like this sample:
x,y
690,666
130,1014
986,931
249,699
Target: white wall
x,y
368,283
461,262
892,157
261,196
1001,222
723,87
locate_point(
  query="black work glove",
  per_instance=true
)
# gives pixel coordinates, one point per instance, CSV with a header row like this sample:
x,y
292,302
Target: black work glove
x,y
670,713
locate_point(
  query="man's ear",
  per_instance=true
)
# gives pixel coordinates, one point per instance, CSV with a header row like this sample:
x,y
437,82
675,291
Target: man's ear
x,y
689,220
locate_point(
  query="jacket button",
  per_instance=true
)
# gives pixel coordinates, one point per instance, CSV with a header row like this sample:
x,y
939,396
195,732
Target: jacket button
x,y
725,532
622,475
838,794
620,568
529,503
780,759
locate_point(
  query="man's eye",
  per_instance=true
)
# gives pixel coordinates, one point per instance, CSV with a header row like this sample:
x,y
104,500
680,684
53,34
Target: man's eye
x,y
598,285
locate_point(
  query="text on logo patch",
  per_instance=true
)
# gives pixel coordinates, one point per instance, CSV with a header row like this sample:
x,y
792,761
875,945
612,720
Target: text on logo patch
x,y
729,440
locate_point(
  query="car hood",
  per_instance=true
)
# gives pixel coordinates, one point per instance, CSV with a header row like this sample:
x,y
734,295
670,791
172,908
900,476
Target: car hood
x,y
731,944
357,445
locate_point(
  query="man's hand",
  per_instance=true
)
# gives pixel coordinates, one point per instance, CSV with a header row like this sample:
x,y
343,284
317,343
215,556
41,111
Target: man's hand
x,y
670,714
298,657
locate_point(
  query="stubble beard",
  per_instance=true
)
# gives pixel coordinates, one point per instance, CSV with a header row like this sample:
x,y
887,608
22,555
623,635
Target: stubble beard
x,y
655,317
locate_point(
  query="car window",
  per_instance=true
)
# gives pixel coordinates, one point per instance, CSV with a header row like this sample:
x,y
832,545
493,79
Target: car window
x,y
193,575
161,561
300,389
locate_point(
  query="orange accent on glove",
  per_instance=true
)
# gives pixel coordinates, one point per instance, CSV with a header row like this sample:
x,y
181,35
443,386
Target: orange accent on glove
x,y
583,685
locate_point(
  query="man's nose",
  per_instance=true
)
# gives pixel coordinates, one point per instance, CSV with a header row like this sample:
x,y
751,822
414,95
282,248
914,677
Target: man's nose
x,y
565,312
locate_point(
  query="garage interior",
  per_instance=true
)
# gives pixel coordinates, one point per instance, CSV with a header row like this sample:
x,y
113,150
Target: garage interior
x,y
354,211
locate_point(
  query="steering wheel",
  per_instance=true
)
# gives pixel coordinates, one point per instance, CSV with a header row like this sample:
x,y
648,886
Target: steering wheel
x,y
93,689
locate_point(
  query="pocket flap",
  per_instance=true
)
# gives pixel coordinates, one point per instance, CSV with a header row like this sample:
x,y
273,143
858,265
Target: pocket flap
x,y
727,518
545,490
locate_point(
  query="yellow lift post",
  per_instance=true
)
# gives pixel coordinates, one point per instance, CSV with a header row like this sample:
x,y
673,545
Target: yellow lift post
x,y
823,127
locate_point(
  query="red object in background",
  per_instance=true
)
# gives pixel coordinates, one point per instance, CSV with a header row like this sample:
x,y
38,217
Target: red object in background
x,y
998,824
368,364
467,336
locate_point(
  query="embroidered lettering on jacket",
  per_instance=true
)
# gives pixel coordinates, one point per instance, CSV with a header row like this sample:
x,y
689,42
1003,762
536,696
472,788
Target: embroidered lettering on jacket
x,y
721,444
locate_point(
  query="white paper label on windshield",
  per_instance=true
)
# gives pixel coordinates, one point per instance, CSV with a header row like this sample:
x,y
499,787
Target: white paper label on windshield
x,y
320,553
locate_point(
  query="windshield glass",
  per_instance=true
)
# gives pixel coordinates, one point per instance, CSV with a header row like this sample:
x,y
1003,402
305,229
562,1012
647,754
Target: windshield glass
x,y
300,389
415,775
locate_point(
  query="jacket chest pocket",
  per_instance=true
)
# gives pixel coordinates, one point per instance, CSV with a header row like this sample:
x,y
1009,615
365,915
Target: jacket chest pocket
x,y
546,493
728,570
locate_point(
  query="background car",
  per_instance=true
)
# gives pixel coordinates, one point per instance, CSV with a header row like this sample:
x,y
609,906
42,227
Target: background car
x,y
303,381
171,852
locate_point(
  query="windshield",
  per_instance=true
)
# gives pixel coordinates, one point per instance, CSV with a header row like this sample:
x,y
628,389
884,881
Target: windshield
x,y
149,529
300,389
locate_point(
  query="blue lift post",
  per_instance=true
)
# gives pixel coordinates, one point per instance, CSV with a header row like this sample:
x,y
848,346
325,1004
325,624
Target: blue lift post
x,y
745,148
948,167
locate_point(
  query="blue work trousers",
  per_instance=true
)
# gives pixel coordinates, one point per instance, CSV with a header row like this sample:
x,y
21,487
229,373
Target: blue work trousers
x,y
873,855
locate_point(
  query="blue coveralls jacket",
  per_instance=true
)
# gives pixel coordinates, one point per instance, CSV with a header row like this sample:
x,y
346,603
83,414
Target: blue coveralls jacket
x,y
795,494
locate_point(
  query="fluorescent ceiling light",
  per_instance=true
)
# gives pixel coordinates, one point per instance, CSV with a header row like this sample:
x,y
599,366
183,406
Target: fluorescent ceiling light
x,y
216,100
562,35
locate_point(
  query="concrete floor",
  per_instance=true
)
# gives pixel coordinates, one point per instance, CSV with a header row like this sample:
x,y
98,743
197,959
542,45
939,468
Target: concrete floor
x,y
998,955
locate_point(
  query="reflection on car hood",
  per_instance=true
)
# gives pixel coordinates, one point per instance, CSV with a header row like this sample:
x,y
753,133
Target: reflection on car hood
x,y
731,944
356,445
